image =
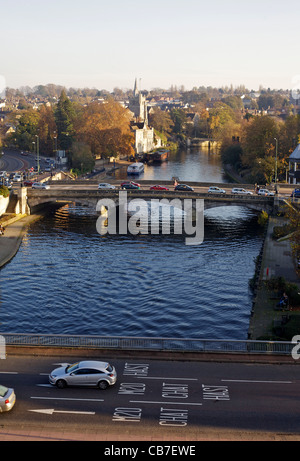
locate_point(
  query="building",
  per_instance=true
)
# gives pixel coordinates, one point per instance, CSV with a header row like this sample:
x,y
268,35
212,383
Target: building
x,y
294,166
145,139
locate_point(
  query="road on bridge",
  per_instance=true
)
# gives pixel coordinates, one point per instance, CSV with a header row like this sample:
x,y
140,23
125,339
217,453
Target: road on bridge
x,y
172,399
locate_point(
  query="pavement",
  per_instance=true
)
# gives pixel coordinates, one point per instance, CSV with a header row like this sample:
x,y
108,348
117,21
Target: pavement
x,y
277,261
12,238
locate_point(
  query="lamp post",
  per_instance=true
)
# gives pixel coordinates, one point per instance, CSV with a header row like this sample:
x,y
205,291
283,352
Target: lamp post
x,y
276,153
38,155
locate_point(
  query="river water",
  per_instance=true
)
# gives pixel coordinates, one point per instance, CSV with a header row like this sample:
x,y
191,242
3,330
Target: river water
x,y
67,279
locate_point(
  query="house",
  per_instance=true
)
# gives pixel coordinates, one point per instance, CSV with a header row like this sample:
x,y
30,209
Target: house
x,y
294,166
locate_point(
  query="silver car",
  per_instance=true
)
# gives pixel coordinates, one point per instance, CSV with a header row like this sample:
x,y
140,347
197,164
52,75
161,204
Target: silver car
x,y
7,398
86,373
105,185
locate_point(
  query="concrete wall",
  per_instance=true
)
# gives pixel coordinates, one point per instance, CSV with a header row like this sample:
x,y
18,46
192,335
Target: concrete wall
x,y
3,204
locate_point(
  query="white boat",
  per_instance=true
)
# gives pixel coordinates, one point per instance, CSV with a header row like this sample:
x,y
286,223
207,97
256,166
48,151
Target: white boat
x,y
135,168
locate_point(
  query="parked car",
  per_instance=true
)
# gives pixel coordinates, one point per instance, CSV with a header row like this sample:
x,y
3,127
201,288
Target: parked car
x,y
216,190
238,190
18,178
2,174
157,187
7,398
265,192
105,185
296,193
40,185
130,182
130,186
86,373
184,187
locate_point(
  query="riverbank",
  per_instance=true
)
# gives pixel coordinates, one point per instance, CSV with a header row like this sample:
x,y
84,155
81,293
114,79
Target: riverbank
x,y
277,261
11,240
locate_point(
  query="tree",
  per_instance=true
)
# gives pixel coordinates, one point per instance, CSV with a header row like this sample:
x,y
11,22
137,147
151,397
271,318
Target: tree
x,y
161,121
26,130
64,118
82,158
46,129
106,129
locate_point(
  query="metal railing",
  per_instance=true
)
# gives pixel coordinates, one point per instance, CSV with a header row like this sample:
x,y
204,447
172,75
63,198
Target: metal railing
x,y
124,343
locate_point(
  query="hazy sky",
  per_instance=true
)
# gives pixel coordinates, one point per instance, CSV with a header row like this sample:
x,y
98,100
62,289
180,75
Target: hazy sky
x,y
107,44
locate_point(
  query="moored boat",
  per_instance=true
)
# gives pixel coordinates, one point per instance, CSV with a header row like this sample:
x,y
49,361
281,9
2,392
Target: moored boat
x,y
160,156
135,168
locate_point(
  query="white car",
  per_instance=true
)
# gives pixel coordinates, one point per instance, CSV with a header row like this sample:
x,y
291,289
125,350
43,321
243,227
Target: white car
x,y
238,190
216,190
18,178
105,185
40,185
265,192
2,174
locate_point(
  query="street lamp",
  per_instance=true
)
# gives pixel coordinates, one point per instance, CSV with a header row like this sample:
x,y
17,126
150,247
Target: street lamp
x,y
38,155
276,152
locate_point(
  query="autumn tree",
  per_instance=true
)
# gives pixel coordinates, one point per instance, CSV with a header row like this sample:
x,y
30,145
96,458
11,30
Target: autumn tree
x,y
161,121
106,129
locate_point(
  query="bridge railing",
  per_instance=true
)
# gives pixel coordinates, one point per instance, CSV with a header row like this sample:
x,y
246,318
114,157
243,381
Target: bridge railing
x,y
126,343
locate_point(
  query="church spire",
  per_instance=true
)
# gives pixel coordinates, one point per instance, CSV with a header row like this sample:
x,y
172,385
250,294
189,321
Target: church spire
x,y
135,90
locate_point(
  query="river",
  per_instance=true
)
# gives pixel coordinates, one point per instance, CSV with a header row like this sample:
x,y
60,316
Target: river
x,y
67,279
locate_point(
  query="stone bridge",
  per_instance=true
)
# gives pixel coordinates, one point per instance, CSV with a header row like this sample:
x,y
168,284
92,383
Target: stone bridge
x,y
37,199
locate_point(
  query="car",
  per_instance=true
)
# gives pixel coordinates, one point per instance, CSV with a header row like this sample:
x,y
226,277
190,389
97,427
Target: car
x,y
216,190
40,185
238,190
130,186
27,183
91,373
265,192
105,185
130,182
18,178
157,187
296,193
24,153
2,174
7,398
184,187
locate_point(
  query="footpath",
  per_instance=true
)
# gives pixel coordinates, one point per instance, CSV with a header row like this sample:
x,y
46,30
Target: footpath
x,y
12,238
277,261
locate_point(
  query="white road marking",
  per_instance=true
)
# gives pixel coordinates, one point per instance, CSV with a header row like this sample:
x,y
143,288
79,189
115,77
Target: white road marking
x,y
165,403
51,411
63,398
254,381
9,373
158,377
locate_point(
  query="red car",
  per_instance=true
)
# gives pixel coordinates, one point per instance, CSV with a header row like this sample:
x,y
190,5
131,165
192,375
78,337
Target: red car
x,y
158,188
130,182
28,183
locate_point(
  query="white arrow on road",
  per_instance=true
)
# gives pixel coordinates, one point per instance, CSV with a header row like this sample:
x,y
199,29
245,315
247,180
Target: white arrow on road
x,y
51,411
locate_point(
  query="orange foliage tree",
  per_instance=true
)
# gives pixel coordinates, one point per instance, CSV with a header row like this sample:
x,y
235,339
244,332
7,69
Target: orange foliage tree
x,y
106,129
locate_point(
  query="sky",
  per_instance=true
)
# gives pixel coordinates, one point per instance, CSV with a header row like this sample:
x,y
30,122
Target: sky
x,y
106,44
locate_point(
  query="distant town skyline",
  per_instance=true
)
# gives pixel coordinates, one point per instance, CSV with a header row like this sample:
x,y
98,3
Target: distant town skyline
x,y
104,45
